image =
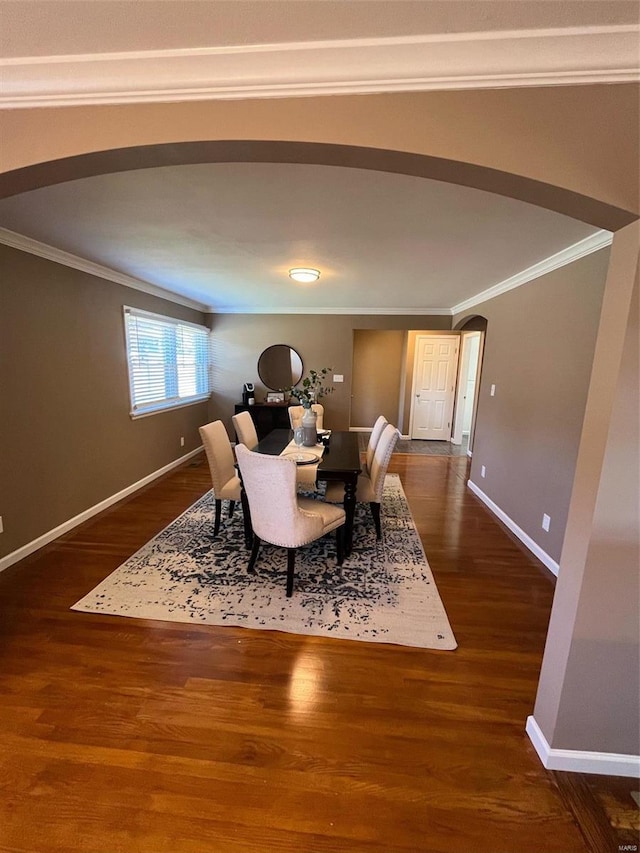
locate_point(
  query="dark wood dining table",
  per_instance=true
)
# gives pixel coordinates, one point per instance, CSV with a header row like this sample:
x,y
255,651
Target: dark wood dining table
x,y
340,463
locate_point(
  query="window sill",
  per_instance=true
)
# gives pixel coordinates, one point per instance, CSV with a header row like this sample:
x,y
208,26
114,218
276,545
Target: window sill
x,y
164,407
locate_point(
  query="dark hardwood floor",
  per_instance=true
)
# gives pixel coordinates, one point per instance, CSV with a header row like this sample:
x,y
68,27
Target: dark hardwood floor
x,y
129,735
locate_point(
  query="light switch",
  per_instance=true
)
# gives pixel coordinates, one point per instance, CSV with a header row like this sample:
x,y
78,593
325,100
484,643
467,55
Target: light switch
x,y
493,390
338,377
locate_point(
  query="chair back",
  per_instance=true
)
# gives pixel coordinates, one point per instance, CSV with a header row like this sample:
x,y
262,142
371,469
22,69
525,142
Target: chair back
x,y
374,438
270,486
296,413
381,458
245,429
219,454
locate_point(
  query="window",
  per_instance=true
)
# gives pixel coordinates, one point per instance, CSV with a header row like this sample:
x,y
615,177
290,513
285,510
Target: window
x,y
168,362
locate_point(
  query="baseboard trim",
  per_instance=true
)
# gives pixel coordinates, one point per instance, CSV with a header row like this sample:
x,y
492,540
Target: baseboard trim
x,y
526,540
581,761
41,541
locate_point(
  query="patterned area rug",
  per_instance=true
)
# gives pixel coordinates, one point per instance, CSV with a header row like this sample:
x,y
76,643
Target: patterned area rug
x,y
384,592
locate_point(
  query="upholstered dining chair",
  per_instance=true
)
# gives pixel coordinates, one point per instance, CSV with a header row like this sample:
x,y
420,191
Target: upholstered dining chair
x,y
296,412
245,429
370,485
278,515
224,477
374,438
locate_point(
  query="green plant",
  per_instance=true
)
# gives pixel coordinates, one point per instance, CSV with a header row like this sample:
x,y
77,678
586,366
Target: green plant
x,y
312,388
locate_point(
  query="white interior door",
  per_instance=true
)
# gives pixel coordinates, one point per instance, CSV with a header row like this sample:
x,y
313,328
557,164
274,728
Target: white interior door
x,y
472,378
467,379
474,409
434,379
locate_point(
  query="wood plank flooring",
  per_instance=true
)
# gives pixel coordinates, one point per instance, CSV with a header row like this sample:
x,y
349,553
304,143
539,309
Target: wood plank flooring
x,y
130,735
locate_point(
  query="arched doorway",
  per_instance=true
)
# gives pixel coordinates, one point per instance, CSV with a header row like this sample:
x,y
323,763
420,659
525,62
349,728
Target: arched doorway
x,y
596,422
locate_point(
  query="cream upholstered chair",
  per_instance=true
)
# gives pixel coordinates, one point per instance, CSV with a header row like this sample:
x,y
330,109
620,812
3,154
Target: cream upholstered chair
x,y
278,515
226,483
296,412
245,429
374,438
370,485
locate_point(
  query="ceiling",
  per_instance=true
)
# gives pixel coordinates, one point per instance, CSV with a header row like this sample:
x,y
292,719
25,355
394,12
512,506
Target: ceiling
x,y
60,27
224,235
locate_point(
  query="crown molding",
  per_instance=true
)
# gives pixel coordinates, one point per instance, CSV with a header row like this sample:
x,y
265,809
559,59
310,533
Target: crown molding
x,y
590,244
514,58
418,312
572,253
67,259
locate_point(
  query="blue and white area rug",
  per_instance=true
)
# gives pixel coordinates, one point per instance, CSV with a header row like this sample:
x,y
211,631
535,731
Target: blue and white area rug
x,y
383,593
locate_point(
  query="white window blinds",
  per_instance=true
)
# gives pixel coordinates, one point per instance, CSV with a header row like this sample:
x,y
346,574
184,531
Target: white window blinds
x,y
168,361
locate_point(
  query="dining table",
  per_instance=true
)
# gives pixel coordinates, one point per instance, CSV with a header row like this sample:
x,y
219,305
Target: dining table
x,y
340,462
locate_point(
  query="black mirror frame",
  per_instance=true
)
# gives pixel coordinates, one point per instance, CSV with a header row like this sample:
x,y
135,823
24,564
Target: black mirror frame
x,y
284,385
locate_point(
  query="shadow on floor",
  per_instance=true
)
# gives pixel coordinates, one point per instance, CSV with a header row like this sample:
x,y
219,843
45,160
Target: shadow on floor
x,y
425,448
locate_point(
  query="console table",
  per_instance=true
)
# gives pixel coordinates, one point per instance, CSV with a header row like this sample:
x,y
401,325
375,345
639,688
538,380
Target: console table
x,y
266,416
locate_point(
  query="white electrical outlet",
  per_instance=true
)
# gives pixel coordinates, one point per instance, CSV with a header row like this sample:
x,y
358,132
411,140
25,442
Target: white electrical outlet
x,y
181,441
1,527
493,390
483,471
338,377
546,521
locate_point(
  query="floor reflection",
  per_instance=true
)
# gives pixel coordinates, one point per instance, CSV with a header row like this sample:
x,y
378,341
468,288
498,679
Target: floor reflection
x,y
306,683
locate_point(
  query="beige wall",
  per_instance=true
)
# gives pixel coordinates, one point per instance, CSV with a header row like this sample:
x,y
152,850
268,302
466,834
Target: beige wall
x,y
378,376
607,626
588,697
322,341
66,436
538,352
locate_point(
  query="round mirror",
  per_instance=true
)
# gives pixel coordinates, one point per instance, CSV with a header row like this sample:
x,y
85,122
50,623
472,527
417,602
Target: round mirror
x,y
279,367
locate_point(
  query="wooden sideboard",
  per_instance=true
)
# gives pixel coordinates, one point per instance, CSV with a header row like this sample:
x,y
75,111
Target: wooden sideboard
x,y
266,416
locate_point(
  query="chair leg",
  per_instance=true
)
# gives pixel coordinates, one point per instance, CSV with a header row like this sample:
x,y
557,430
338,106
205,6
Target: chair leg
x,y
340,544
216,526
375,512
254,554
246,519
232,506
291,565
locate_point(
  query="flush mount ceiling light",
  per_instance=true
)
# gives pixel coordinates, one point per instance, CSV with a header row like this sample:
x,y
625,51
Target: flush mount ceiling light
x,y
304,274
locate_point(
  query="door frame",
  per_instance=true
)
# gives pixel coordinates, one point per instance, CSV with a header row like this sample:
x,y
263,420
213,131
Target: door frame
x,y
463,373
416,347
476,396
